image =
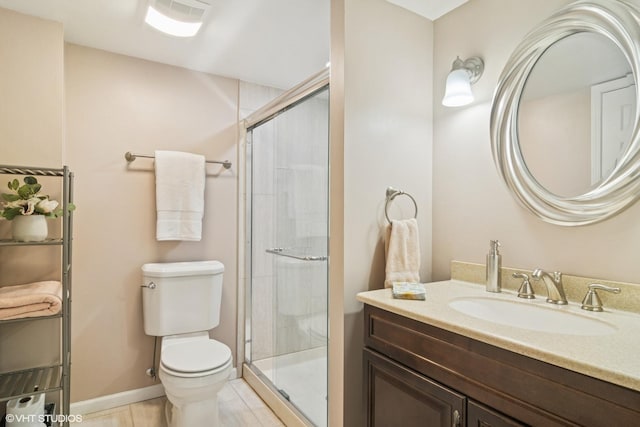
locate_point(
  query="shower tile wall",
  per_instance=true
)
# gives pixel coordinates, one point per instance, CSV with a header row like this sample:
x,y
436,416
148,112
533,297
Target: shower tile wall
x,y
290,314
252,97
301,174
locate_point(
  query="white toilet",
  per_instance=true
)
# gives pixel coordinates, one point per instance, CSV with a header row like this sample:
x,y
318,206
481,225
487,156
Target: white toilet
x,y
181,303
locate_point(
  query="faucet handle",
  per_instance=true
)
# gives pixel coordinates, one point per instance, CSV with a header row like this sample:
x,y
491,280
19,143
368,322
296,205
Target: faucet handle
x,y
591,301
525,291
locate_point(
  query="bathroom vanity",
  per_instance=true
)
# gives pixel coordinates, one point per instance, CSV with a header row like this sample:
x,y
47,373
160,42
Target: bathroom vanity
x,y
428,364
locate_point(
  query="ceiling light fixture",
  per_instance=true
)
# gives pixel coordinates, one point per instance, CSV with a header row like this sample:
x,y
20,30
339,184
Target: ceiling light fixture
x,y
463,74
179,18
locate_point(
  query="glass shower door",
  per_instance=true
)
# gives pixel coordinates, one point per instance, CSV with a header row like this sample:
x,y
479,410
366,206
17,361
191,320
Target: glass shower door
x,y
289,158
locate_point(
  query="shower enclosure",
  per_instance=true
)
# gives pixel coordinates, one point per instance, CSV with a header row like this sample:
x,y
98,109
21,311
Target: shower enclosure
x,y
286,259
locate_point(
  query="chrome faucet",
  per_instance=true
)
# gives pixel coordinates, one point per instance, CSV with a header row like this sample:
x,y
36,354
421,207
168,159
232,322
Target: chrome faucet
x,y
553,282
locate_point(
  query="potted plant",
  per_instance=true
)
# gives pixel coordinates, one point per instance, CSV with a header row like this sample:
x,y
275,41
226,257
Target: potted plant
x,y
27,210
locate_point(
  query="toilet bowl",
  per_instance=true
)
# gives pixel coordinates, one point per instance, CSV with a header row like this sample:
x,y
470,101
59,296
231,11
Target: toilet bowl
x,y
181,302
193,369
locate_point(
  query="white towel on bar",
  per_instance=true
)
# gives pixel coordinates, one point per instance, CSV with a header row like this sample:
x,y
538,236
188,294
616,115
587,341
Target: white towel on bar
x,y
179,195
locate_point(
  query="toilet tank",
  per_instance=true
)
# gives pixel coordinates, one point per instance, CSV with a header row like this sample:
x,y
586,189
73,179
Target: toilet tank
x,y
181,297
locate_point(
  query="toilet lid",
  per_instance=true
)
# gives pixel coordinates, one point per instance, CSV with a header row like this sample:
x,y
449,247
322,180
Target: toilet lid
x,y
195,356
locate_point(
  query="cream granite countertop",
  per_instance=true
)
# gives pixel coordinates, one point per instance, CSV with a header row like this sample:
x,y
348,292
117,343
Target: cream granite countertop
x,y
610,357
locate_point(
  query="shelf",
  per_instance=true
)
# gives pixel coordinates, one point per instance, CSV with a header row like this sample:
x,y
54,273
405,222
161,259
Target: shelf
x,y
31,319
54,378
9,242
27,170
23,383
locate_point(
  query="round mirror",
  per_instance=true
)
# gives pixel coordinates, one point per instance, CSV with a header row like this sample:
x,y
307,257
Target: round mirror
x,y
564,121
578,103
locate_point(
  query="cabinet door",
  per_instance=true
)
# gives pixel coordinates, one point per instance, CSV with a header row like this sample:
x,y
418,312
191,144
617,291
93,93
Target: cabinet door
x,y
398,396
481,416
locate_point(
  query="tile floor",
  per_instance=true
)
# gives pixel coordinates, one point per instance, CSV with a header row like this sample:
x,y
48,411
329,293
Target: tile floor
x,y
238,403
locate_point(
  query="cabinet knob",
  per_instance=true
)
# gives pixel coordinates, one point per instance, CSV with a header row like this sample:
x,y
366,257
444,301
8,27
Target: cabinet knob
x,y
456,418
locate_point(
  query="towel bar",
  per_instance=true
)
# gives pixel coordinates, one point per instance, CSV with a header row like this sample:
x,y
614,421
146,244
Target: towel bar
x,y
283,252
130,157
392,193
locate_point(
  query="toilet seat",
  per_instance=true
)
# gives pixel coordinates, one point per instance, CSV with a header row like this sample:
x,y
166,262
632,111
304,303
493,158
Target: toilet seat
x,y
195,358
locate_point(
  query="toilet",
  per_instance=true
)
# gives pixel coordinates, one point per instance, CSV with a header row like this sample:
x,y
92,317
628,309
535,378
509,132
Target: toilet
x,y
181,303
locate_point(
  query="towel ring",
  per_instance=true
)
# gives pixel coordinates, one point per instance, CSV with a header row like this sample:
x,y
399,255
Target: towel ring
x,y
391,194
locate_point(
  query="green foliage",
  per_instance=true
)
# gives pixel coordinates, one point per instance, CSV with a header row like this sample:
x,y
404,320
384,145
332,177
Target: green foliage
x,y
26,200
10,213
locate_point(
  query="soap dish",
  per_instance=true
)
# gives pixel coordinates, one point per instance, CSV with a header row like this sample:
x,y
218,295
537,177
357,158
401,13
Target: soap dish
x,y
408,290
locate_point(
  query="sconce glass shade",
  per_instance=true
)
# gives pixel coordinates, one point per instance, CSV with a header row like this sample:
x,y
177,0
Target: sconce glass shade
x,y
458,89
463,74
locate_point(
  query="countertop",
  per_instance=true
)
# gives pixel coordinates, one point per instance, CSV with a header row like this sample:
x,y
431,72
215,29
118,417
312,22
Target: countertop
x,y
610,357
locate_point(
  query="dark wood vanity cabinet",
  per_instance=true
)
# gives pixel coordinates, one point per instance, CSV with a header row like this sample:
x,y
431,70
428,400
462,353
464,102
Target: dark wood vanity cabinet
x,y
401,397
481,416
420,375
398,396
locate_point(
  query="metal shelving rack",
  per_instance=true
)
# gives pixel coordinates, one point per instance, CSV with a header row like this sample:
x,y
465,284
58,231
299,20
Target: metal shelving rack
x,y
17,384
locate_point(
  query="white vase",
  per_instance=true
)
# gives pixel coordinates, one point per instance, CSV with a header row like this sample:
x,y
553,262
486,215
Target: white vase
x,y
29,228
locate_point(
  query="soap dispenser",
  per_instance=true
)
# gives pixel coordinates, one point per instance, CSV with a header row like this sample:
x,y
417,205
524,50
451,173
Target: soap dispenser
x,y
494,264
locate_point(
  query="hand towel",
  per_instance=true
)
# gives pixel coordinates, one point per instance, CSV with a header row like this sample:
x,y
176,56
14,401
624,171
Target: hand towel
x,y
30,300
179,195
402,249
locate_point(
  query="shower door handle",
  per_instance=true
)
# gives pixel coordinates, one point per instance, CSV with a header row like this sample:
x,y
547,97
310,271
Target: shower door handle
x,y
281,252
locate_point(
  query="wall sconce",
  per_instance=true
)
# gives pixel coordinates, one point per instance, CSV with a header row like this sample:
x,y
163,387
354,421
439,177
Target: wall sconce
x,y
463,74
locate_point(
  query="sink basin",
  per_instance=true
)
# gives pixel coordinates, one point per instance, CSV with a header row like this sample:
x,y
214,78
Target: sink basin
x,y
531,316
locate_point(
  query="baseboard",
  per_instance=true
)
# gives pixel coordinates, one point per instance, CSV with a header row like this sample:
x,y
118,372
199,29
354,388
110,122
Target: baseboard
x,y
110,401
118,399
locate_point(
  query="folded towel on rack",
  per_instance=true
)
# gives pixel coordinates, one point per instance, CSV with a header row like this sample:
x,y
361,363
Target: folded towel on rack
x,y
179,195
30,300
402,249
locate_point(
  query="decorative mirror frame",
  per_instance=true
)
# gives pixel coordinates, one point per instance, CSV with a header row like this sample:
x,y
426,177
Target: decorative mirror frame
x,y
618,21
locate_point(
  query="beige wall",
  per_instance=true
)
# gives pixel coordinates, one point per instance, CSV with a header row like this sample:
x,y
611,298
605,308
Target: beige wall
x,y
31,124
116,104
113,104
471,204
555,136
31,91
31,110
336,344
387,142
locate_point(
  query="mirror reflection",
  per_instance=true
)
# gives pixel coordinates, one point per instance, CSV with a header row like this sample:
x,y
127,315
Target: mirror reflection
x,y
576,113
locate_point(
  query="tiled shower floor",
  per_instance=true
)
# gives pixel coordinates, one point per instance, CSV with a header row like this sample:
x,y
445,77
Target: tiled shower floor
x,y
302,376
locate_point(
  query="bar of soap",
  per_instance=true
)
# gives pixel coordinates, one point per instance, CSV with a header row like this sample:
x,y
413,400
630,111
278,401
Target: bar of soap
x,y
408,290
